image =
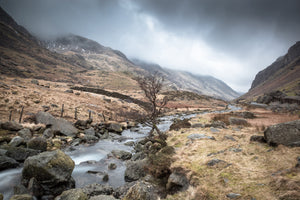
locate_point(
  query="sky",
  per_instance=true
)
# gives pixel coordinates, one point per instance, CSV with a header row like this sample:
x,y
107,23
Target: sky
x,y
231,40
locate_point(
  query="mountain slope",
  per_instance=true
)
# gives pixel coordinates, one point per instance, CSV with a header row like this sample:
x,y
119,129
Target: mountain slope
x,y
282,75
23,56
181,80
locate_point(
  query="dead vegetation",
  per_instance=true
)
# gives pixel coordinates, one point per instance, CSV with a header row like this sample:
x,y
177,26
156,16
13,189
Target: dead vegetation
x,y
255,170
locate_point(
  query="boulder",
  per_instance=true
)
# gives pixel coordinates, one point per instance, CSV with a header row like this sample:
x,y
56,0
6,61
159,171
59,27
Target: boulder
x,y
48,133
69,91
25,133
218,124
60,125
90,131
83,123
20,154
37,143
237,121
73,194
143,191
97,189
247,115
135,170
11,126
22,197
102,197
51,170
7,163
115,127
120,154
16,141
285,133
177,181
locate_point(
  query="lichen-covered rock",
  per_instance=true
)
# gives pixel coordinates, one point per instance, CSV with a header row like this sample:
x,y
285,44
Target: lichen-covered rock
x,y
285,133
37,143
51,170
115,127
135,170
143,191
16,141
97,189
11,126
120,154
25,133
177,181
73,194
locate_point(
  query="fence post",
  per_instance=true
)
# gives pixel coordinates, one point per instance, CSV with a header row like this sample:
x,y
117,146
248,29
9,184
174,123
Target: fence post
x,y
90,114
103,116
62,111
10,114
76,113
21,114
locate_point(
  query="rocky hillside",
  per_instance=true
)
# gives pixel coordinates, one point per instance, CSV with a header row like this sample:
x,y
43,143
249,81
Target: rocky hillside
x,y
282,75
22,55
181,80
100,57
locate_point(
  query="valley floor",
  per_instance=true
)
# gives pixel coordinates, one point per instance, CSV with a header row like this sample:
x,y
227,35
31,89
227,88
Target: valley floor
x,y
231,165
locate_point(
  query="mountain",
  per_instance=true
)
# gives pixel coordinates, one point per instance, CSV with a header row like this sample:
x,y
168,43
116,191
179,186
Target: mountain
x,y
282,75
23,56
181,80
100,57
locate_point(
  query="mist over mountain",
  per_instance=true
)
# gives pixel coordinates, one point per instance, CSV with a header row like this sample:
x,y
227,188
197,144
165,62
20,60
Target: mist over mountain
x,y
181,80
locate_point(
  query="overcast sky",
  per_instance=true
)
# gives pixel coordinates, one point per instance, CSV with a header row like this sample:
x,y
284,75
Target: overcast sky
x,y
231,40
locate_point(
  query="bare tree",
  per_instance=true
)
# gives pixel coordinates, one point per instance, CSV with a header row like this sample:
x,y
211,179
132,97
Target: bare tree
x,y
151,86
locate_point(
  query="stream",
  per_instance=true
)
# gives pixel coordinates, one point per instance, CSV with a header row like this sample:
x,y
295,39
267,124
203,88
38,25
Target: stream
x,y
95,158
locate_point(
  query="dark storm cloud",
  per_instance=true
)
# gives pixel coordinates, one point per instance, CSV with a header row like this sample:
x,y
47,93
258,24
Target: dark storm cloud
x,y
229,39
229,24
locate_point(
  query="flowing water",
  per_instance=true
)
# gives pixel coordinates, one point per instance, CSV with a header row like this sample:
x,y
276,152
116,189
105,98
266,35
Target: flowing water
x,y
95,158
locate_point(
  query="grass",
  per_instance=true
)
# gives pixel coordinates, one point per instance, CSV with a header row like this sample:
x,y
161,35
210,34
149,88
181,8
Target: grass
x,y
250,172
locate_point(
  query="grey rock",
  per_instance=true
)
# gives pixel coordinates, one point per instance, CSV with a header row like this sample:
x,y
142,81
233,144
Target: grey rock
x,y
135,170
142,190
90,131
48,133
11,126
177,181
69,91
46,108
218,163
16,141
130,143
25,133
97,189
229,137
214,130
112,166
115,127
247,115
232,195
197,136
237,121
60,125
218,124
138,156
120,154
37,143
7,163
83,123
51,170
90,138
20,154
121,191
72,194
102,197
285,133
